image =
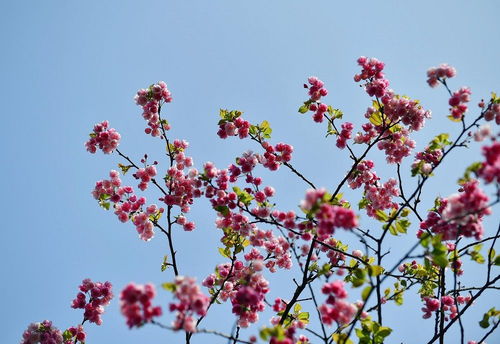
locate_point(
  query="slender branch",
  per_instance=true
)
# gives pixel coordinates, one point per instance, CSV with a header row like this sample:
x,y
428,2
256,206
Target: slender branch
x,y
473,298
300,288
299,174
201,330
481,341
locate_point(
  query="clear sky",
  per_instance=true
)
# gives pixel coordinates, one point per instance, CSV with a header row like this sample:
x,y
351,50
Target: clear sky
x,y
66,65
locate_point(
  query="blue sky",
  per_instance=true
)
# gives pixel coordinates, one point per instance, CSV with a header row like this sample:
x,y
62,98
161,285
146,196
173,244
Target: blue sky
x,y
66,65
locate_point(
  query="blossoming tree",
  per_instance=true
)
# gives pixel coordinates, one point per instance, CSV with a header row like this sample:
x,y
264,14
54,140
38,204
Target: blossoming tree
x,y
259,238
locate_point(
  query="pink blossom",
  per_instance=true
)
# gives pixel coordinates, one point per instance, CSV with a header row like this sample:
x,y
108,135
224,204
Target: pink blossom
x,y
103,138
43,333
460,214
440,73
99,295
136,304
490,168
151,100
336,309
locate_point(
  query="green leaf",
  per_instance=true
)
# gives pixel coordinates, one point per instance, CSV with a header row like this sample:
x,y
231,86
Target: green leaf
x,y
224,210
393,230
491,255
297,308
381,215
225,252
440,260
453,119
341,338
124,168
164,265
304,108
363,203
485,322
383,332
402,225
169,286
304,317
365,292
375,270
497,260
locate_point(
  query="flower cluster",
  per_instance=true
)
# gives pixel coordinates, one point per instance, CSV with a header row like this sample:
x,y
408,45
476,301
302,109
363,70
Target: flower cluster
x,y
126,204
151,100
243,285
191,301
490,168
103,138
440,73
74,334
316,91
145,175
344,135
425,161
447,304
336,309
43,333
182,186
392,117
483,132
378,196
493,113
238,127
328,216
458,102
99,295
397,147
372,68
275,155
408,111
459,214
278,250
136,304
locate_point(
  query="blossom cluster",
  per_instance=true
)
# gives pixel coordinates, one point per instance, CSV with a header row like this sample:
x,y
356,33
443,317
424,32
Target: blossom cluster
x,y
275,155
426,160
328,216
493,112
490,168
336,309
316,90
344,135
392,117
136,304
447,304
104,138
238,127
99,295
151,100
397,146
76,332
43,333
378,196
244,285
191,301
277,248
126,204
460,214
145,175
458,102
440,73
